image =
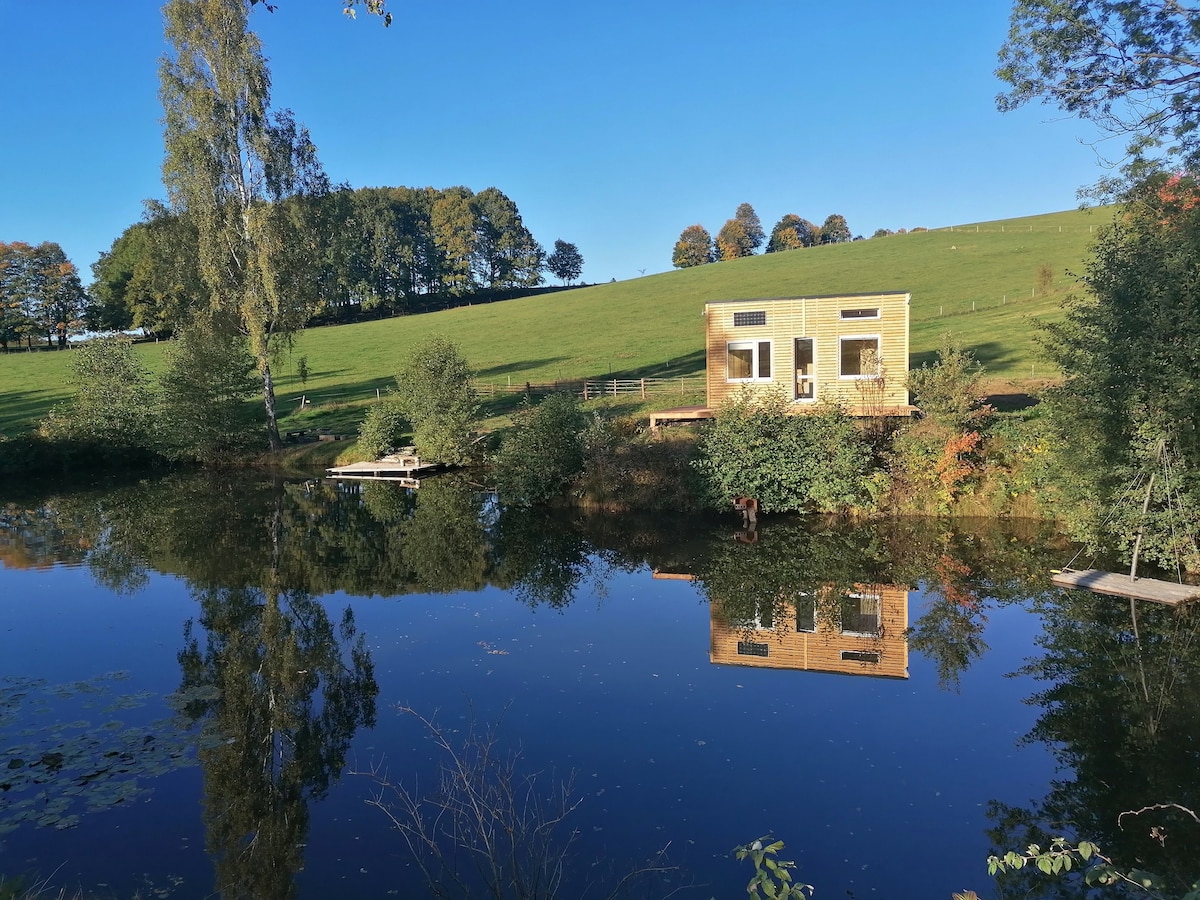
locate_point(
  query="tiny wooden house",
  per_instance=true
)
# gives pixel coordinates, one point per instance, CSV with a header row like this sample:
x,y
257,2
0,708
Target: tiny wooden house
x,y
848,348
860,632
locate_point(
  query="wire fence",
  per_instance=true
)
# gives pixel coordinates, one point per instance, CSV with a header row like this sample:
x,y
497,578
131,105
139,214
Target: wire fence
x,y
1011,228
585,389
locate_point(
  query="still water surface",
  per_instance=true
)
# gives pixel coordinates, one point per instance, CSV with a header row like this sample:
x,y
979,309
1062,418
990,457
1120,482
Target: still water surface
x,y
203,681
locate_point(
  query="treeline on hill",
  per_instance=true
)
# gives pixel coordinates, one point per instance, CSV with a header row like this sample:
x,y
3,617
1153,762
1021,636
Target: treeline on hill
x,y
373,252
743,235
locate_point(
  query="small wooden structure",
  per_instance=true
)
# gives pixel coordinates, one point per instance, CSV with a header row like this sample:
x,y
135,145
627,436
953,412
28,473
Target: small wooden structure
x,y
1116,584
402,467
851,349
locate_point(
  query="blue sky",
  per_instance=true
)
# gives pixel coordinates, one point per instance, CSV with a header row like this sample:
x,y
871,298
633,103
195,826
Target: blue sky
x,y
613,126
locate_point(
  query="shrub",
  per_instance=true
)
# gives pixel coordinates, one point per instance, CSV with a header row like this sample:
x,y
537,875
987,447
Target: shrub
x,y
205,409
950,391
542,452
818,462
626,470
434,393
112,412
383,430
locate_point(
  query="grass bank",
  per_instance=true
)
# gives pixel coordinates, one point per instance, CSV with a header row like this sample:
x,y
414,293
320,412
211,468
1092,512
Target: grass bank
x,y
982,282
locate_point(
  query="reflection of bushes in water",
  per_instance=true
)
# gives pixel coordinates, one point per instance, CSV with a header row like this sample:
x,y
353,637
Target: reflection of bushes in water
x,y
444,542
540,565
792,562
1120,711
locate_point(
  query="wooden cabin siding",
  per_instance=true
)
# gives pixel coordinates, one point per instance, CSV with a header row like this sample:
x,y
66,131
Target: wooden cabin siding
x,y
827,649
817,318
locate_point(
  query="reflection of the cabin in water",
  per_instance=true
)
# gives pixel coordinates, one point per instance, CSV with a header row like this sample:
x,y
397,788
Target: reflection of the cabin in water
x,y
858,632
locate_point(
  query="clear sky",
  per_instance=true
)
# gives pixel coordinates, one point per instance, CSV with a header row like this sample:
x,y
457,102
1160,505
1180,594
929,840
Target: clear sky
x,y
611,125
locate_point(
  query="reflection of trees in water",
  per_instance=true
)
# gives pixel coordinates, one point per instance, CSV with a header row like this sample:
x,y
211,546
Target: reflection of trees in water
x,y
1121,714
279,691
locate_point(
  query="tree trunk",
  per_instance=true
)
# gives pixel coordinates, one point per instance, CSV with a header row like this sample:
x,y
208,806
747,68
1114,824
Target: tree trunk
x,y
269,402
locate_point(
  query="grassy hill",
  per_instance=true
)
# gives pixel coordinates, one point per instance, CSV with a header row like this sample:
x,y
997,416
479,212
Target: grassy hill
x,y
979,281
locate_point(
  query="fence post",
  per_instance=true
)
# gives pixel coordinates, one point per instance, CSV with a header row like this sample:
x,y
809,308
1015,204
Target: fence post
x,y
643,388
585,390
614,387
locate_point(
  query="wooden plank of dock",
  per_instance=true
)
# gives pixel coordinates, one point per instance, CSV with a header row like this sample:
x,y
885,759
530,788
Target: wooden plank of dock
x,y
1116,584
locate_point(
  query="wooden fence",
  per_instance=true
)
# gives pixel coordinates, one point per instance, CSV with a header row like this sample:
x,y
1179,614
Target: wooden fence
x,y
610,387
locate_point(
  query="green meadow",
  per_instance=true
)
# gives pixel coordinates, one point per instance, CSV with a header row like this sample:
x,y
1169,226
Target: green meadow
x,y
981,282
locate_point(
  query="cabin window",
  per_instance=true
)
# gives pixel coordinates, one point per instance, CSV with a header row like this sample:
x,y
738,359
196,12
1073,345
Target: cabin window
x,y
752,648
749,318
860,357
860,614
806,613
749,360
866,656
865,313
806,373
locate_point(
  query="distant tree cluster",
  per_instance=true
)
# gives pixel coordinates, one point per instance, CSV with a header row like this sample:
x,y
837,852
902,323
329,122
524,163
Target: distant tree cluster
x,y
743,235
41,295
884,232
372,249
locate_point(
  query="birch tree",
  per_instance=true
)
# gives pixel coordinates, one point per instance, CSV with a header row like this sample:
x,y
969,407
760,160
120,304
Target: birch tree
x,y
230,163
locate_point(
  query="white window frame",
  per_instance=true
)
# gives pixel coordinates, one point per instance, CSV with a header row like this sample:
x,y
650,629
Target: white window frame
x,y
753,345
878,339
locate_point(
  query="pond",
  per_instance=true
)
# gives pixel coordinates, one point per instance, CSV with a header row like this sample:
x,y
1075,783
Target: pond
x,y
244,686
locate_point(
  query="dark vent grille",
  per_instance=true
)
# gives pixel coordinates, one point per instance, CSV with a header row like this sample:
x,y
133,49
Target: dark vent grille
x,y
750,318
750,648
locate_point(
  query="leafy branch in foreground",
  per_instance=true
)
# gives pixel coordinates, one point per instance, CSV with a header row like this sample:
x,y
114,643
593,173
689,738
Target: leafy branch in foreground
x,y
1061,857
772,877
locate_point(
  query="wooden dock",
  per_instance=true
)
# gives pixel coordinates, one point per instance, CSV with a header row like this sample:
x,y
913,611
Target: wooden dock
x,y
1115,584
404,468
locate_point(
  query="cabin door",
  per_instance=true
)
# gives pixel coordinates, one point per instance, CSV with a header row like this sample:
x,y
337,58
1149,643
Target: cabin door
x,y
806,375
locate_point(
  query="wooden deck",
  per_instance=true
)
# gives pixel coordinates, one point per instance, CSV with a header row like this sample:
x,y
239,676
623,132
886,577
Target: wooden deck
x,y
680,414
703,413
1117,585
403,468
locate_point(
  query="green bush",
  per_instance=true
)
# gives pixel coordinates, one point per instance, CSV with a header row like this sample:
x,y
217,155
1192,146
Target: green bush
x,y
542,452
434,393
111,417
950,392
817,462
383,430
205,399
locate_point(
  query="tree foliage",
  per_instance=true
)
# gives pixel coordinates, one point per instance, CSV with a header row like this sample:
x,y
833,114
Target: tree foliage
x,y
204,409
1130,66
694,248
792,233
230,163
40,294
1128,352
113,406
835,230
732,241
755,447
435,394
751,226
566,262
542,452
